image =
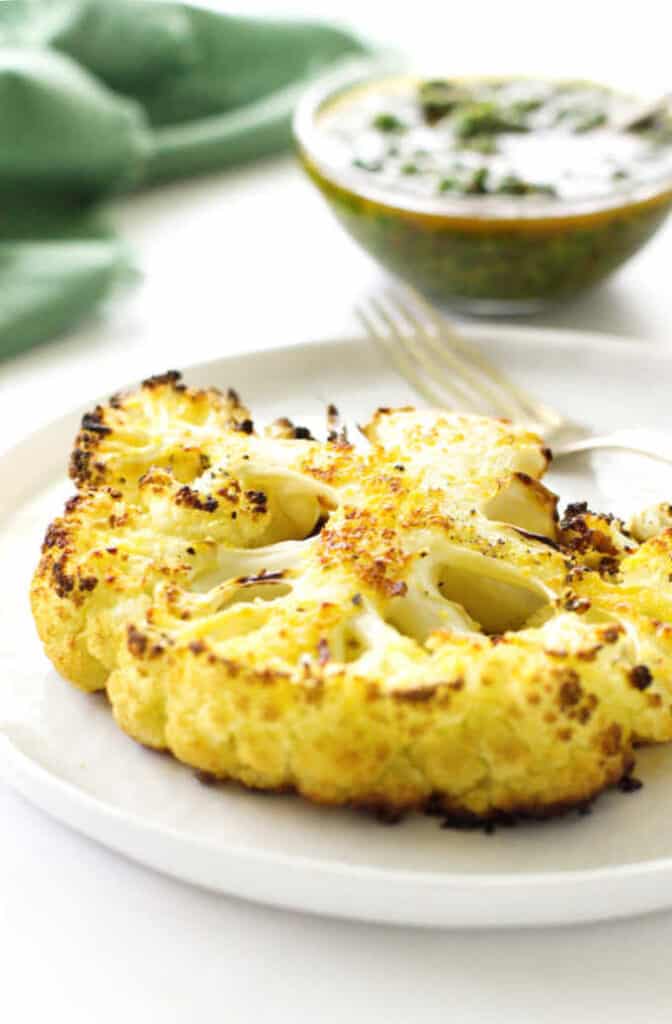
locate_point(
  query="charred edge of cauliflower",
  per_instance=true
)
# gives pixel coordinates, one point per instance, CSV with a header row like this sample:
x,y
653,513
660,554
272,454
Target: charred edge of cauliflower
x,y
102,421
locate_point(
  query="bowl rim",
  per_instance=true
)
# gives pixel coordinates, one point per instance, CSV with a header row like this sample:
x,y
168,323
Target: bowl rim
x,y
495,209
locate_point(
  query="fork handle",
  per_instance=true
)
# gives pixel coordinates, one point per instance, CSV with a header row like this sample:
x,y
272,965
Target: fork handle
x,y
651,443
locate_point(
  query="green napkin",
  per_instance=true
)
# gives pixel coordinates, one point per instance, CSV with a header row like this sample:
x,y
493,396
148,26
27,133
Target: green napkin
x,y
102,96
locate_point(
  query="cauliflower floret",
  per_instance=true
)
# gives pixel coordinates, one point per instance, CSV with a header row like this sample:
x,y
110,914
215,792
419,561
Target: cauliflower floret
x,y
651,521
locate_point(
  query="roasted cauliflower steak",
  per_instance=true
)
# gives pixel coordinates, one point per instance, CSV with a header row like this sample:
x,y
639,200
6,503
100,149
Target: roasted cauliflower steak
x,y
401,624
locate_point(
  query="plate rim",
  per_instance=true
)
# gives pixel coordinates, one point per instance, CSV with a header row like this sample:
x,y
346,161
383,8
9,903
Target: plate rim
x,y
600,341
17,758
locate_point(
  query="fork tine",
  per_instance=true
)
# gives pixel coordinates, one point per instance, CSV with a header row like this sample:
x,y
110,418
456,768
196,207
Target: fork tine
x,y
398,357
411,338
405,337
534,409
439,360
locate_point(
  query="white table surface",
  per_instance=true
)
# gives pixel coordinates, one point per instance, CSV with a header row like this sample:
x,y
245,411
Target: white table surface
x,y
250,259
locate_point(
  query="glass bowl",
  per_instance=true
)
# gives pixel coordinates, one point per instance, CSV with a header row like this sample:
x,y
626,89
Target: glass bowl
x,y
486,255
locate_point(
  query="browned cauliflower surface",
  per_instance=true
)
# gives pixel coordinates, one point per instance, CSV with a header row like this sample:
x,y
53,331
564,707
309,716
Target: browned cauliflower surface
x,y
396,626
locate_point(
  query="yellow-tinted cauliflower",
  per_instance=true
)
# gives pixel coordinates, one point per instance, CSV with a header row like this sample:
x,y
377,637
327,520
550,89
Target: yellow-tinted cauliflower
x,y
394,627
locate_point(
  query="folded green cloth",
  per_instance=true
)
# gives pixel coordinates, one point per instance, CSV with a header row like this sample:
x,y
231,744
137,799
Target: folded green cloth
x,y
103,96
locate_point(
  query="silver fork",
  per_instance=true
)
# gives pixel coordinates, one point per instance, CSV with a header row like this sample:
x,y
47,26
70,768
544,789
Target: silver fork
x,y
449,373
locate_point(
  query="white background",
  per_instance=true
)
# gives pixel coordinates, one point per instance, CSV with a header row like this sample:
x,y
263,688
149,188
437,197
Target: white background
x,y
244,260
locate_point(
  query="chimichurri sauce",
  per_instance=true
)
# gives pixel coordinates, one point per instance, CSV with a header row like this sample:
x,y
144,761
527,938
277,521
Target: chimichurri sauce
x,y
513,137
495,196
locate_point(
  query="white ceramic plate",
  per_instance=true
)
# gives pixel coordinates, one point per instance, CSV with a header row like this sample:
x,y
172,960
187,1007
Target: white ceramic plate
x,y
62,750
